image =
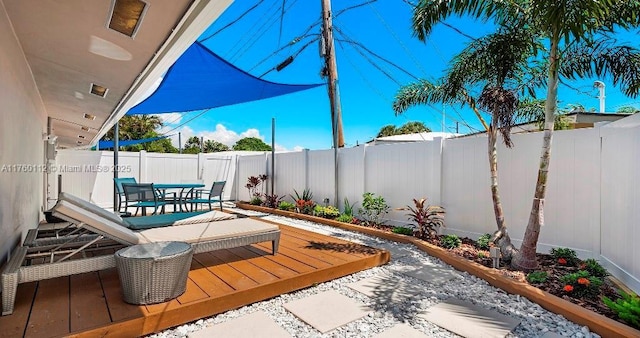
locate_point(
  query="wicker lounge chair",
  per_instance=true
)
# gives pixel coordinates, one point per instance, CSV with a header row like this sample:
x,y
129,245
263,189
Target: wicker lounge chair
x,y
204,237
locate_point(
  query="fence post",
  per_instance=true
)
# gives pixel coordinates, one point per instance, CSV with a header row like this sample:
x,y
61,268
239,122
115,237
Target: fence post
x,y
438,152
142,163
306,168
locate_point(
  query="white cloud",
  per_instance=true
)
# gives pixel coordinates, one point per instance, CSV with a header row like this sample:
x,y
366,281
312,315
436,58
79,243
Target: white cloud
x,y
220,134
298,148
169,119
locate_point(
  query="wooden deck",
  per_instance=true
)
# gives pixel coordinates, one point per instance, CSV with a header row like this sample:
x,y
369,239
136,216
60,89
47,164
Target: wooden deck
x,y
91,304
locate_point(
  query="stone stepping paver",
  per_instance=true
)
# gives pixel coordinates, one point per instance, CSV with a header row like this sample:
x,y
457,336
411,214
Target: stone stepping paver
x,y
327,310
432,274
401,331
469,320
387,288
254,325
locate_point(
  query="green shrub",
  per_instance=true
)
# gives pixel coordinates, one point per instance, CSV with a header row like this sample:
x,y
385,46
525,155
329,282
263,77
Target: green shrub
x,y
537,277
450,241
566,255
581,284
373,208
345,218
403,231
483,241
594,268
330,211
427,218
256,200
481,255
626,308
286,206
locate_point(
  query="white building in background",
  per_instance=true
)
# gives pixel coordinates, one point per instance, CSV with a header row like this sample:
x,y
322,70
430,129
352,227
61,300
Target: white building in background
x,y
416,137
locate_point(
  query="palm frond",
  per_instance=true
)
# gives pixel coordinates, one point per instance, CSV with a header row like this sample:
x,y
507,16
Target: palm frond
x,y
428,13
422,92
603,58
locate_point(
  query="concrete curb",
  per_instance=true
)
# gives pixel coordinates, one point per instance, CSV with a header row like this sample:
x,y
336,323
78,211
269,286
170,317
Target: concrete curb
x,y
597,323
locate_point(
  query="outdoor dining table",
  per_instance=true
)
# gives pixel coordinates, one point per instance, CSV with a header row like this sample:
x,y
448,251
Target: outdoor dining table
x,y
186,190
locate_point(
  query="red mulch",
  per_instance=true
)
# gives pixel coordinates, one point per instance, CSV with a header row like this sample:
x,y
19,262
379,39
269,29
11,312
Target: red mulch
x,y
555,271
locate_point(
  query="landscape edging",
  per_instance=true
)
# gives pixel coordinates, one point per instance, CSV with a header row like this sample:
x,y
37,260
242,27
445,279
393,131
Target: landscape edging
x,y
602,325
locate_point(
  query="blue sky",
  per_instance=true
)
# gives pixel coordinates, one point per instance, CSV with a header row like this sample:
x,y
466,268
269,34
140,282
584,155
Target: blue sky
x,y
303,119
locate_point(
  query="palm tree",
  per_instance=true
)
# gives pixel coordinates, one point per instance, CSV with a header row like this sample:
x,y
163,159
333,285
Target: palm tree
x,y
576,34
497,63
388,130
212,146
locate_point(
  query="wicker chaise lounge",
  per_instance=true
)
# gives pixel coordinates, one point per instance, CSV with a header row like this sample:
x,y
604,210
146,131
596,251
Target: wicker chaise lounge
x,y
204,237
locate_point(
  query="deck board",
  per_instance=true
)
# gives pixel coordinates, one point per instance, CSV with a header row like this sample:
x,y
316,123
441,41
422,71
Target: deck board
x,y
91,304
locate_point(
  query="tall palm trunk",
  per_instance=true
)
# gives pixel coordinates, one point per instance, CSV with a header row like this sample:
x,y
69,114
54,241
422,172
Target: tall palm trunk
x,y
526,257
501,235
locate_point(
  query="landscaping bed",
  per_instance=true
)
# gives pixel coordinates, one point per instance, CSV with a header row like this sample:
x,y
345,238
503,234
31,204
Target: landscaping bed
x,y
552,294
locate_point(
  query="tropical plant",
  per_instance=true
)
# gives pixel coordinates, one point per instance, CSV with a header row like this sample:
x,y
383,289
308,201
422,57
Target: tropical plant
x,y
137,127
402,231
594,268
537,277
304,202
255,200
254,183
192,146
581,284
427,218
578,46
484,241
626,308
329,211
345,218
286,206
564,256
348,208
271,200
450,241
251,144
373,209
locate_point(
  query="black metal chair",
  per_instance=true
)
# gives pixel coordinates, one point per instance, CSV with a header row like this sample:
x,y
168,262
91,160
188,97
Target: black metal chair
x,y
142,195
214,195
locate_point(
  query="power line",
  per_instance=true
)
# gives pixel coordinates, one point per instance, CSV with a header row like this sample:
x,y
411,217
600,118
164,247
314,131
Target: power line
x,y
232,22
395,36
294,41
281,21
338,13
253,30
292,57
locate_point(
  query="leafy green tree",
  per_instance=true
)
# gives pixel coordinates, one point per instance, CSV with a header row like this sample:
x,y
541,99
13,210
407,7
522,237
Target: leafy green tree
x,y
211,146
627,110
192,146
407,128
578,46
137,127
251,143
388,130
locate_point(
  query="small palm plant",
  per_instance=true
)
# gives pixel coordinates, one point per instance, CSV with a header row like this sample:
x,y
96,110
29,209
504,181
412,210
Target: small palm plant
x,y
428,218
304,202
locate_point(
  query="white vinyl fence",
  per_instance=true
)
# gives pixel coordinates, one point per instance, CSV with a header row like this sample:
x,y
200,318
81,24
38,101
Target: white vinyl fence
x,y
592,200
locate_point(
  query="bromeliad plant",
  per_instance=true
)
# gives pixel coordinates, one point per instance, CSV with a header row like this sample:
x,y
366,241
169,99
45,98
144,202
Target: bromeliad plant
x,y
304,203
581,284
428,218
286,206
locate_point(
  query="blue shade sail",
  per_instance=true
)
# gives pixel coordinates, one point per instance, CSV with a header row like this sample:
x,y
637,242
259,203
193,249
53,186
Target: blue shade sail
x,y
200,79
122,143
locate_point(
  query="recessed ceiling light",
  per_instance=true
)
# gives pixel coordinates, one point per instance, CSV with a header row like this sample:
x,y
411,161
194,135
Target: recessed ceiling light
x,y
89,116
79,142
84,128
99,90
126,16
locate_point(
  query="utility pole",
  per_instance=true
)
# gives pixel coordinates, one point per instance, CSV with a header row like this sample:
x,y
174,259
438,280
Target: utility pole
x,y
331,69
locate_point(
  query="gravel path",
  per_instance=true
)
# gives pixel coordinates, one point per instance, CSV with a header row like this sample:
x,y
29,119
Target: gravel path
x,y
535,321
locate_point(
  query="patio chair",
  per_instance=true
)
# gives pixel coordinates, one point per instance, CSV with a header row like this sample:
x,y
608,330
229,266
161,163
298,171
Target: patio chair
x,y
203,237
213,195
118,182
142,195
